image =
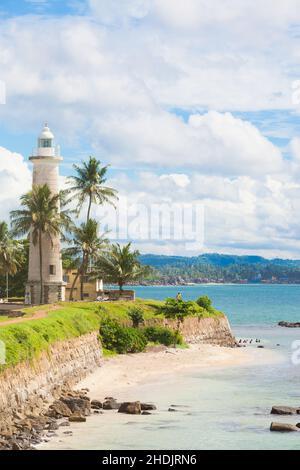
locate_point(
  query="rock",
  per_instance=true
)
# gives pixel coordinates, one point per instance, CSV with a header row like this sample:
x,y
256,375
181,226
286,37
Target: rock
x,y
77,405
287,324
148,407
284,410
146,413
260,347
96,405
111,404
98,412
77,419
172,410
52,427
64,424
68,433
59,410
283,427
131,408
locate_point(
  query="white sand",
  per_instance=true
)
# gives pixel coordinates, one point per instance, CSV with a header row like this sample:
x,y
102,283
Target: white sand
x,y
122,373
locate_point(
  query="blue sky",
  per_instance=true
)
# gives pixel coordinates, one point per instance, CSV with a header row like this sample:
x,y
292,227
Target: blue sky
x,y
51,7
189,103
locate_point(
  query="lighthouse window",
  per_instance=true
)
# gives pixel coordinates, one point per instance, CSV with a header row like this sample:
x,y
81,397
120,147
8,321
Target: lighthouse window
x,y
52,269
45,143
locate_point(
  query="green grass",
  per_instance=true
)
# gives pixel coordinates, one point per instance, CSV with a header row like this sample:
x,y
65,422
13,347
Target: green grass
x,y
25,341
3,318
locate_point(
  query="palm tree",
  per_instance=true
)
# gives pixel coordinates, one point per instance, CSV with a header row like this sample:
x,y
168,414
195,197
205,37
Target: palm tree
x,y
40,217
120,265
88,185
87,246
11,254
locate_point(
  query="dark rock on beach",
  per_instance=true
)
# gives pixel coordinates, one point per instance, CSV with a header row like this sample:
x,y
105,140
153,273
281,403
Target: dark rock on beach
x,y
148,407
96,405
131,408
110,404
283,427
287,324
284,410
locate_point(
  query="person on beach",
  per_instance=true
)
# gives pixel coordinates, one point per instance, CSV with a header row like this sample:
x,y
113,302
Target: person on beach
x,y
179,296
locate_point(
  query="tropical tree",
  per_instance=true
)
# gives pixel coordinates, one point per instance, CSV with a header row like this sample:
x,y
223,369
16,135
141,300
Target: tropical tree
x,y
40,217
88,185
87,247
11,254
120,265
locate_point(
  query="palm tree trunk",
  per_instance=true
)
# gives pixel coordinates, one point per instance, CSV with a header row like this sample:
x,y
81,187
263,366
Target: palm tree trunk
x,y
84,267
73,285
7,296
41,268
89,209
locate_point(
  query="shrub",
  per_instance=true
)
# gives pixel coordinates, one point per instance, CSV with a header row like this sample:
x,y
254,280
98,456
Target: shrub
x,y
162,335
136,315
205,302
178,309
121,339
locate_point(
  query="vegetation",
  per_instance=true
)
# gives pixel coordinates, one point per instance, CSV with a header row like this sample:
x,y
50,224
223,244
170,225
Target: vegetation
x,y
25,341
162,335
205,302
28,339
40,217
11,255
87,246
120,265
221,268
120,339
136,315
88,185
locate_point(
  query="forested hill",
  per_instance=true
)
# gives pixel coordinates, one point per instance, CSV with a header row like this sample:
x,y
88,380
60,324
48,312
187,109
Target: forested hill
x,y
213,267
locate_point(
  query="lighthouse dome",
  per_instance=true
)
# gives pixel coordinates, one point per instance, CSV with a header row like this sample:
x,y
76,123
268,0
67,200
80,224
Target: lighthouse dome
x,y
46,133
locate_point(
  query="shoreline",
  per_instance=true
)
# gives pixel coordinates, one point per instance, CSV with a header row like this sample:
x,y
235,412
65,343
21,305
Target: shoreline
x,y
120,374
128,377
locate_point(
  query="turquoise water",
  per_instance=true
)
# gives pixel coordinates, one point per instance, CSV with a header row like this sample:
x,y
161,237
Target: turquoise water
x,y
221,409
249,304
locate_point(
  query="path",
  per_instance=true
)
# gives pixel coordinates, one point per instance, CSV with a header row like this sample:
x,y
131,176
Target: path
x,y
39,314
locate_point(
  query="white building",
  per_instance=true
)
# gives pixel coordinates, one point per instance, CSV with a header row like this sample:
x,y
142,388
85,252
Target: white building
x,y
46,159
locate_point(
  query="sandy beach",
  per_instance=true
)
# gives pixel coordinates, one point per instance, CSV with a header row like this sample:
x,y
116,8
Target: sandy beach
x,y
120,374
153,377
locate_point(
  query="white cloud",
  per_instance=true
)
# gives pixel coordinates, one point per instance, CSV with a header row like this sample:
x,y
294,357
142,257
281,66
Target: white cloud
x,y
114,79
15,180
215,143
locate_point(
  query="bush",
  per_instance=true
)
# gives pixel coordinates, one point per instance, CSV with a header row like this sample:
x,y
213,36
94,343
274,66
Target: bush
x,y
121,339
166,336
136,315
205,302
178,309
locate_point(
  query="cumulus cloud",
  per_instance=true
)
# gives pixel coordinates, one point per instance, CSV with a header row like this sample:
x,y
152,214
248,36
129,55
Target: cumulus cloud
x,y
15,180
152,86
212,143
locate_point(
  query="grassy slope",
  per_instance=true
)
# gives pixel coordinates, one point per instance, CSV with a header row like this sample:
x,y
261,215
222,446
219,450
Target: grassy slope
x,y
26,340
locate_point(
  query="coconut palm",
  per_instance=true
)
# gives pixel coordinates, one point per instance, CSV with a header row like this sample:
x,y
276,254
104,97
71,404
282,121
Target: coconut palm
x,y
11,254
40,217
88,185
87,246
120,265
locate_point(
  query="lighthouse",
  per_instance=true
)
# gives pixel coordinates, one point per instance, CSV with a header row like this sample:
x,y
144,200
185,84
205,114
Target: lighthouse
x,y
46,160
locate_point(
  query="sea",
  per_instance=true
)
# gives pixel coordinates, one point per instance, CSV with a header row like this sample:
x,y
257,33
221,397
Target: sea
x,y
225,408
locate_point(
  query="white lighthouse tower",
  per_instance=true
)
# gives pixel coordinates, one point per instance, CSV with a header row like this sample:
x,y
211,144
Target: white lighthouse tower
x,y
46,159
